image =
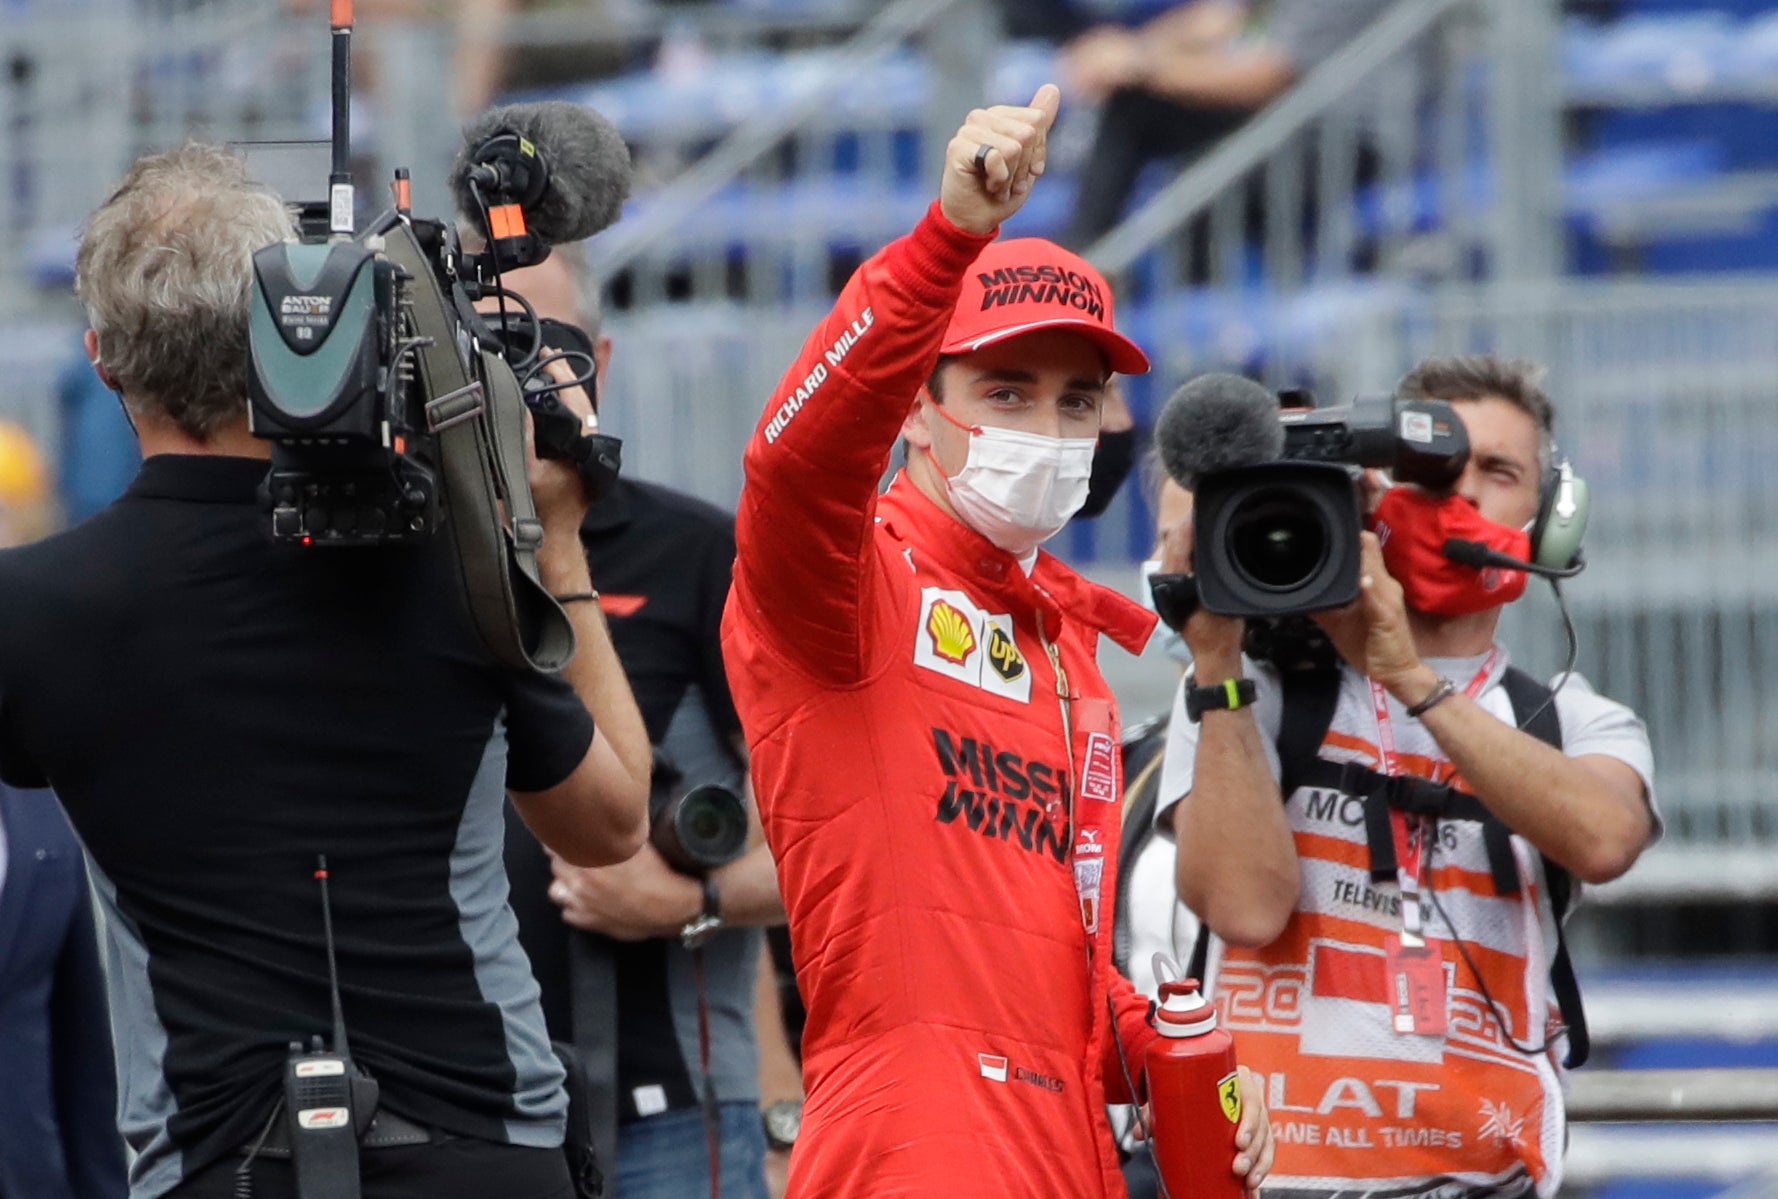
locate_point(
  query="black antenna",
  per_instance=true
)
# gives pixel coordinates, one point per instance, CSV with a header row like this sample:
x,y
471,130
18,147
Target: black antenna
x,y
340,199
333,969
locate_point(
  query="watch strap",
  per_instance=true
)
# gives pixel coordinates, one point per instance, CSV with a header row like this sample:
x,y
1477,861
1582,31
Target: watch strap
x,y
697,930
1228,695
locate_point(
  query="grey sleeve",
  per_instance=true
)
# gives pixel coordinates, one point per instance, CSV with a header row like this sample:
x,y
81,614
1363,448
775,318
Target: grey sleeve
x,y
1308,31
1593,724
1180,764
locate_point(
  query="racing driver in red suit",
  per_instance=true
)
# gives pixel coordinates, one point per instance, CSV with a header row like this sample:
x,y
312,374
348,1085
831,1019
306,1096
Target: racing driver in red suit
x,y
934,749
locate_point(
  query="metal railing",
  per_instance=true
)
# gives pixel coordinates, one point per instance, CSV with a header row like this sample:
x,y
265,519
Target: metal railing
x,y
1309,137
1374,162
814,176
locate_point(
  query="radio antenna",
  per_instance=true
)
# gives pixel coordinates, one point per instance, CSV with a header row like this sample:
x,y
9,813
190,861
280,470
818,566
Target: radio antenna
x,y
340,199
333,969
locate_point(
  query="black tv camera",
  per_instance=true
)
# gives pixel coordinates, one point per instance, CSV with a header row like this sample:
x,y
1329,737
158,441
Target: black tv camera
x,y
1279,537
340,381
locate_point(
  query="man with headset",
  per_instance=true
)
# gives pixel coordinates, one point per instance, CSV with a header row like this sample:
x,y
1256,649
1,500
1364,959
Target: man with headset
x,y
1385,849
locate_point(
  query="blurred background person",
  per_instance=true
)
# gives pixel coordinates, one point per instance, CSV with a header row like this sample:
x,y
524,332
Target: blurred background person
x,y
1180,83
1150,918
59,1101
641,963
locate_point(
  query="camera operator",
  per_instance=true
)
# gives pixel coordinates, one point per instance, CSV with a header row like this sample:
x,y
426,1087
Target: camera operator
x,y
217,711
934,748
611,944
1421,1057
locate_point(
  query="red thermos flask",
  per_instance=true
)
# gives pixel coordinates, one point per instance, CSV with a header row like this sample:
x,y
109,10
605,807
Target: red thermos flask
x,y
1196,1096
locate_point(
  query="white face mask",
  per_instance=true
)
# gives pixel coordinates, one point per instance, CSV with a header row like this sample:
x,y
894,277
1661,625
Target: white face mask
x,y
1019,489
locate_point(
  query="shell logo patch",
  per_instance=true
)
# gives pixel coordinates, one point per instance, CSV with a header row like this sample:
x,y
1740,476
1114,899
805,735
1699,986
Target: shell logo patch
x,y
1004,655
953,628
1228,1093
952,637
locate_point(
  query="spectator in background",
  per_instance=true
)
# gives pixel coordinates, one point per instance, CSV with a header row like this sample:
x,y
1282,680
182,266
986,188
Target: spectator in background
x,y
663,561
58,1104
1150,918
1189,77
99,455
28,508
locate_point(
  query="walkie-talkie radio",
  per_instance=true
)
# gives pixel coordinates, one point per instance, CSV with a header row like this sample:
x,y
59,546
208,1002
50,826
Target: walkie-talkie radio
x,y
328,1102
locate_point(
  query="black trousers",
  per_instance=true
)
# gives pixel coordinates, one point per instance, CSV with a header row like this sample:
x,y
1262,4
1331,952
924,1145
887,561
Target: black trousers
x,y
1135,128
449,1168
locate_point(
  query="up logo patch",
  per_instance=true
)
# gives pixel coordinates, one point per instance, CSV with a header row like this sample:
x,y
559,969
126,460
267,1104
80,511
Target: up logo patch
x,y
957,639
1004,656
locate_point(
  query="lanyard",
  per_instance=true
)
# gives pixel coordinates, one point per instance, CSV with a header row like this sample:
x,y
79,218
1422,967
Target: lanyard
x,y
1412,832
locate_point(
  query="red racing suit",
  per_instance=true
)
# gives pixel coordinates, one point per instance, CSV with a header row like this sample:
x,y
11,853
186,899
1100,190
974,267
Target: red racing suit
x,y
935,756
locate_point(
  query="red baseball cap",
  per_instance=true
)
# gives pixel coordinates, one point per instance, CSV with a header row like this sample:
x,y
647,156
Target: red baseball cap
x,y
1027,284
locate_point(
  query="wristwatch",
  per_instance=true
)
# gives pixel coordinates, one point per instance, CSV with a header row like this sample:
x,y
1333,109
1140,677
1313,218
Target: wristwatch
x,y
697,930
782,1120
1229,694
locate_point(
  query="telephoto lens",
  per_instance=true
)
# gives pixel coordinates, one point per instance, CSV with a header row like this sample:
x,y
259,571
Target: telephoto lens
x,y
700,830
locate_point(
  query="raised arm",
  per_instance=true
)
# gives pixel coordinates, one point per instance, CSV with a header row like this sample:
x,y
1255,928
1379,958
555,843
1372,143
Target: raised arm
x,y
1589,813
813,464
1237,866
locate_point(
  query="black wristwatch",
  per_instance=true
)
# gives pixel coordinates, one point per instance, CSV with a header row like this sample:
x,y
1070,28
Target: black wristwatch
x,y
782,1121
697,930
1228,694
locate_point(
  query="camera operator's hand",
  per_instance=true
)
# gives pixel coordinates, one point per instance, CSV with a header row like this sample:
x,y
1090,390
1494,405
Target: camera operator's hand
x,y
1214,641
981,188
632,901
1372,632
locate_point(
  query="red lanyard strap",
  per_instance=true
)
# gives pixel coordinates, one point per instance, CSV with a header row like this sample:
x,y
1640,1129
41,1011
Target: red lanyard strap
x,y
1411,831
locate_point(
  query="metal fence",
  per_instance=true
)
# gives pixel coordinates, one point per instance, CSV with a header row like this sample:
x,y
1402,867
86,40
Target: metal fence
x,y
1665,389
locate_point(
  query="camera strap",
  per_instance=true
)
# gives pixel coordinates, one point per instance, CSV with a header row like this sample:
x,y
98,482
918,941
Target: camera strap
x,y
1310,698
479,426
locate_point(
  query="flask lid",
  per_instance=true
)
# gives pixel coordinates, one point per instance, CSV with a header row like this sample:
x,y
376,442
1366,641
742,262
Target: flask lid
x,y
1183,1010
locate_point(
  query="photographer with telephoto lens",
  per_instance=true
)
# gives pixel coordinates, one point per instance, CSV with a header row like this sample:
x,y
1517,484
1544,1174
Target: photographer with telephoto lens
x,y
648,967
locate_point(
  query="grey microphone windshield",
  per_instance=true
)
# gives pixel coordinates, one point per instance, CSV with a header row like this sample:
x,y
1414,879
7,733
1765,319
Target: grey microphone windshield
x,y
571,184
1215,422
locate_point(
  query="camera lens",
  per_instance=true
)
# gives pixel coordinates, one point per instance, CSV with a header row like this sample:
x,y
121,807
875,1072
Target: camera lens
x,y
1277,540
710,824
705,822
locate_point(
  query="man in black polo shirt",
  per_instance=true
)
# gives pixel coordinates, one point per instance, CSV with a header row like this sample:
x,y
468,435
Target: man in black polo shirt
x,y
215,710
623,988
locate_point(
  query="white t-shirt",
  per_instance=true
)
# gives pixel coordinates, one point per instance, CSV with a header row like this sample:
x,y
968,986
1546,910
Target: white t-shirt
x,y
1591,724
1353,1100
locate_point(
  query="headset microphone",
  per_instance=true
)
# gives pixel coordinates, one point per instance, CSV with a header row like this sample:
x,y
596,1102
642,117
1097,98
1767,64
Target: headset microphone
x,y
1473,553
